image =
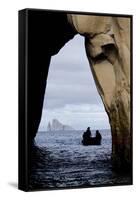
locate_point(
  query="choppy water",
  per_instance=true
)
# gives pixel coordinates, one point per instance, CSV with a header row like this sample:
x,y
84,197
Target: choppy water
x,y
62,161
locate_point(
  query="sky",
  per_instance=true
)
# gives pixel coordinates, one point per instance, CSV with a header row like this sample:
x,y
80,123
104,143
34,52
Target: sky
x,y
71,95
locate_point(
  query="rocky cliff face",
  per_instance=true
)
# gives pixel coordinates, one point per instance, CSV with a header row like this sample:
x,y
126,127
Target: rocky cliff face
x,y
42,44
107,41
58,126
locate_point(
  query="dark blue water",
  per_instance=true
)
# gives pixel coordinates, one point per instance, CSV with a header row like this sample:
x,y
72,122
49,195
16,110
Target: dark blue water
x,y
64,162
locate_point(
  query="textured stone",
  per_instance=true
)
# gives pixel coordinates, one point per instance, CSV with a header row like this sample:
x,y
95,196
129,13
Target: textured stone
x,y
107,42
56,125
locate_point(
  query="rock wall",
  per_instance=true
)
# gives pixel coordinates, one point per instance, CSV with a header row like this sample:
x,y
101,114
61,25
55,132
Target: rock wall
x,y
107,42
47,33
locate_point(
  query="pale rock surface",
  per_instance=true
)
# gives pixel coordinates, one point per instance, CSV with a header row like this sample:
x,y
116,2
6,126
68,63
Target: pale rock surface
x,y
107,43
58,126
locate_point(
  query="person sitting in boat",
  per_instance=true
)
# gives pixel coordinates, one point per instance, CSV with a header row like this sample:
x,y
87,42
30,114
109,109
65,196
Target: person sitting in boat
x,y
87,134
98,135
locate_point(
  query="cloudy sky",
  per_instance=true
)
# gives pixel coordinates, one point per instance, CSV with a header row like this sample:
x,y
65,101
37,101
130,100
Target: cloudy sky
x,y
71,95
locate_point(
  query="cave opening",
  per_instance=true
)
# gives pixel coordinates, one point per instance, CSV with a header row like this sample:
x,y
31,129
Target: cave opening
x,y
71,102
72,99
71,96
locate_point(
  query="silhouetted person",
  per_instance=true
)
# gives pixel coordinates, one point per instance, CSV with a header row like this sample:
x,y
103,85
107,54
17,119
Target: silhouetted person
x,y
98,135
87,134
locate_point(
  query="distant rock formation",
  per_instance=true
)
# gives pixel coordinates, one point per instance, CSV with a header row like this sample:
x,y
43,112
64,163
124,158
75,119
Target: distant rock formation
x,y
58,126
49,127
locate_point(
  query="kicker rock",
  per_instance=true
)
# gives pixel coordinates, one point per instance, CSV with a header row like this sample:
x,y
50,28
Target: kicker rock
x,y
49,127
58,126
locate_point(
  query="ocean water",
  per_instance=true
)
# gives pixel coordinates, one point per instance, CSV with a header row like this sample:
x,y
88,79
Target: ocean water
x,y
61,161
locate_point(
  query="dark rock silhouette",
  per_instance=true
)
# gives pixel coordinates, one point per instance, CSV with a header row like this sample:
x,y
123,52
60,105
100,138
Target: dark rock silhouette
x,y
47,33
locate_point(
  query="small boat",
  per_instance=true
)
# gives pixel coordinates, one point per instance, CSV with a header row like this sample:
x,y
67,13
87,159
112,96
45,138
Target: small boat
x,y
88,140
91,141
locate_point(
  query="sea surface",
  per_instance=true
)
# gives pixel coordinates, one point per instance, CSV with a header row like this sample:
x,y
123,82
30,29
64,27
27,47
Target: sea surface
x,y
61,161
